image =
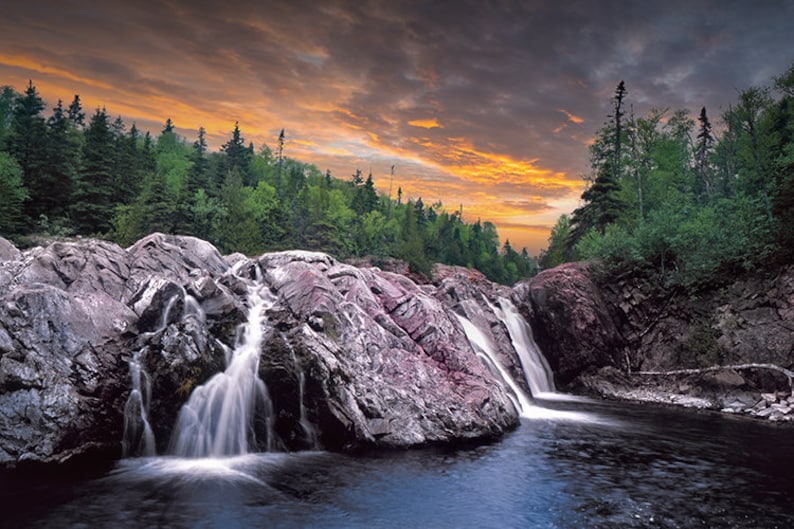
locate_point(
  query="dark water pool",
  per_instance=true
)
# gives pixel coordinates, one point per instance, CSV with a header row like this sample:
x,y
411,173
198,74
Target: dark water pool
x,y
581,465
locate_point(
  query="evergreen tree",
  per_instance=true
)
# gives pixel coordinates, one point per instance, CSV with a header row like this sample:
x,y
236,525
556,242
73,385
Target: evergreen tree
x,y
235,228
95,196
76,114
7,102
127,173
238,156
620,95
27,143
602,203
198,174
13,195
703,148
61,166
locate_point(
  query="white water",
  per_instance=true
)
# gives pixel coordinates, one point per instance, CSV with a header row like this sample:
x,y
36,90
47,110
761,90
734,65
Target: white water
x,y
483,346
167,312
216,420
193,308
536,368
138,439
308,428
485,350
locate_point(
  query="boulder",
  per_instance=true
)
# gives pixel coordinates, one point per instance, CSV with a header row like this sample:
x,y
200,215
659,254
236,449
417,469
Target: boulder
x,y
573,324
384,363
8,252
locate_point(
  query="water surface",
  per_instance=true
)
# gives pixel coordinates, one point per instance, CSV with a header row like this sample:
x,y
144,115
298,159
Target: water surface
x,y
571,465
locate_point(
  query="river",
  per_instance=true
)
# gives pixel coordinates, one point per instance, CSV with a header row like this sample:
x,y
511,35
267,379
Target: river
x,y
576,464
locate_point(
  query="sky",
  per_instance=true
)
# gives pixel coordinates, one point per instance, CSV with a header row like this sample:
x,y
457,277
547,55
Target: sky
x,y
488,106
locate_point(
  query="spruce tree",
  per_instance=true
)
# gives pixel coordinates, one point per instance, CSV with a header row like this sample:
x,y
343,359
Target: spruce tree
x,y
95,196
7,101
705,144
27,143
76,114
61,167
13,195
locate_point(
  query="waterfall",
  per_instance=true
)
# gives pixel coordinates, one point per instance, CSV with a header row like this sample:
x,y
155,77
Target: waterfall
x,y
483,346
217,419
308,428
193,308
138,438
535,366
167,312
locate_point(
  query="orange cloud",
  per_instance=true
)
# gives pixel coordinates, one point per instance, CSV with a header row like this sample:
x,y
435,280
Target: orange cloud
x,y
425,123
573,119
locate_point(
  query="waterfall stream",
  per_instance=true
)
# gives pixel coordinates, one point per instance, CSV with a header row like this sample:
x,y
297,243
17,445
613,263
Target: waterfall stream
x,y
217,419
535,366
138,439
483,346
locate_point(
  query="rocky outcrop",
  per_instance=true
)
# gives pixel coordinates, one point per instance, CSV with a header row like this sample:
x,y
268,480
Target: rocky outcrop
x,y
384,362
366,357
631,338
572,321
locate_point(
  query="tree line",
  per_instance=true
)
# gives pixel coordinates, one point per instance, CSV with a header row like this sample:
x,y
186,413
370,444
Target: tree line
x,y
68,175
668,194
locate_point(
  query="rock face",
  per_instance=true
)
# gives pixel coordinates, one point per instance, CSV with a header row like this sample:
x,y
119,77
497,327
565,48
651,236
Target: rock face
x,y
352,357
605,334
574,327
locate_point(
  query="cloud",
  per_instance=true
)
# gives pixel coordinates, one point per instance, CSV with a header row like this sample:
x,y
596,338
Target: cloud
x,y
425,123
503,96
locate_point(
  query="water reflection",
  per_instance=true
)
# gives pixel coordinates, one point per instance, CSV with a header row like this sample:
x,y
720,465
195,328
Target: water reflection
x,y
579,464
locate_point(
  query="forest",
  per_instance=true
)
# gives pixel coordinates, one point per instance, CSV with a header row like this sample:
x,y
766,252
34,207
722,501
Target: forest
x,y
667,194
65,174
671,195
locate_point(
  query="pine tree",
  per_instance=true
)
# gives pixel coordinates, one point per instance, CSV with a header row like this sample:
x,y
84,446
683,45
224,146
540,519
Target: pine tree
x,y
602,202
238,156
13,195
705,144
95,196
27,143
61,172
7,102
198,175
620,95
76,114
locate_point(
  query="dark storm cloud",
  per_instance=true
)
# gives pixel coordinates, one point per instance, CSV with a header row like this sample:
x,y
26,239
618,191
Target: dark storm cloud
x,y
503,95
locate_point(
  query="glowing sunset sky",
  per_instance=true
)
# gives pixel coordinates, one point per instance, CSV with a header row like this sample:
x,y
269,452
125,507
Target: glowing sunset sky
x,y
486,104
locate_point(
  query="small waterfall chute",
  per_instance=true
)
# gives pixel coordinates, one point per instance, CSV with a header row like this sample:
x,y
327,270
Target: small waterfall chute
x,y
138,437
485,350
536,368
217,419
309,431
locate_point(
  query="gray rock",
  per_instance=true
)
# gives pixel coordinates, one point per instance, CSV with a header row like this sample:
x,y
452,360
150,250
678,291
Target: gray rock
x,y
377,359
8,252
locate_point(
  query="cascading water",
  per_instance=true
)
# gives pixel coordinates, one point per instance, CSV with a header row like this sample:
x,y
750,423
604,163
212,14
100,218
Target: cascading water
x,y
217,419
138,439
309,431
485,350
535,366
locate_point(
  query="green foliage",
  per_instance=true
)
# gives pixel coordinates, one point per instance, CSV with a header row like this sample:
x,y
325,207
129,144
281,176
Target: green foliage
x,y
95,196
13,195
691,209
559,250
